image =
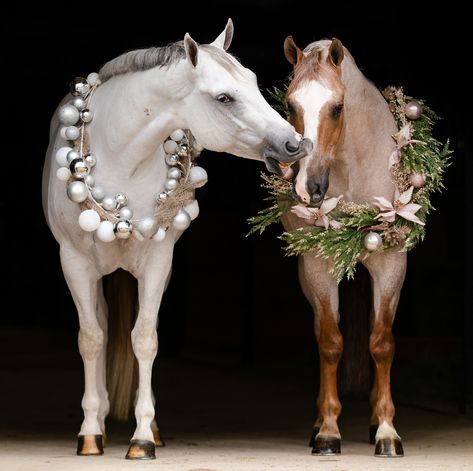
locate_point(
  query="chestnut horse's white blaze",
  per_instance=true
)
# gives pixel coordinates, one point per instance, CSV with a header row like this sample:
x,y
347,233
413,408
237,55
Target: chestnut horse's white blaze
x,y
310,97
145,96
331,102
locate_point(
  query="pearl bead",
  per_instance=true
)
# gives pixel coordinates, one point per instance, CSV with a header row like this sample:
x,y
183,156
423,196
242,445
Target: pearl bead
x,y
171,184
79,86
174,172
170,147
181,220
79,103
98,193
122,229
72,155
89,220
163,196
72,133
413,110
86,115
372,241
145,226
77,192
63,173
109,203
61,156
105,232
160,235
417,180
91,160
126,213
121,199
89,180
177,135
78,168
192,209
62,132
172,160
93,79
68,115
198,174
182,150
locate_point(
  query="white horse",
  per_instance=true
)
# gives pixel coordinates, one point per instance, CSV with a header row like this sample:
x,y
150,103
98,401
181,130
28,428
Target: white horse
x,y
143,97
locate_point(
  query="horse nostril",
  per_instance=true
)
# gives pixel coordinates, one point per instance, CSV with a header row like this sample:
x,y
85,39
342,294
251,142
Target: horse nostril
x,y
315,192
292,146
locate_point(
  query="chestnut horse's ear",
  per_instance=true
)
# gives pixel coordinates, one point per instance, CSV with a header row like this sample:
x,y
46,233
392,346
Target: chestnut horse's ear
x,y
191,49
291,51
335,53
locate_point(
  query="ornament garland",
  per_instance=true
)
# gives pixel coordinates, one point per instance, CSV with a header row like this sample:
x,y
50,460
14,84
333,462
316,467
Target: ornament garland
x,y
346,231
110,216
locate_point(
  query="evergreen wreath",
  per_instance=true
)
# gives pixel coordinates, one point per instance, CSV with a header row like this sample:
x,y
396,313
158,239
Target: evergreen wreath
x,y
339,229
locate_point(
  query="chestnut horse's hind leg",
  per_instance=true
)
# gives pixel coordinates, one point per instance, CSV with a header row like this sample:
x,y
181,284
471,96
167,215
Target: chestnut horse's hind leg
x,y
387,271
81,277
321,290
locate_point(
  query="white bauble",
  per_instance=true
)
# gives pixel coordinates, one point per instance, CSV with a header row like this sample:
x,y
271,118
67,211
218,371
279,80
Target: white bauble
x,y
105,232
89,220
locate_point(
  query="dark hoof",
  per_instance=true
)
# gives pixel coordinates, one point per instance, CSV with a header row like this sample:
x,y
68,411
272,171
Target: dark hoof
x,y
141,450
315,432
326,445
89,445
389,447
373,430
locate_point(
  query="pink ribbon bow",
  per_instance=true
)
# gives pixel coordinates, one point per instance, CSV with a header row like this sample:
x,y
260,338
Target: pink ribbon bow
x,y
319,216
401,207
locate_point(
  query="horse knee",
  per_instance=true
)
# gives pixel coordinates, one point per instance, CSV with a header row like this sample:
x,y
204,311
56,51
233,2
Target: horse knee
x,y
331,346
382,346
145,343
90,342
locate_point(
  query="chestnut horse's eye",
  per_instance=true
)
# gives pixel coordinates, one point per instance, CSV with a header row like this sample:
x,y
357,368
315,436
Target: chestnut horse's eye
x,y
337,110
290,108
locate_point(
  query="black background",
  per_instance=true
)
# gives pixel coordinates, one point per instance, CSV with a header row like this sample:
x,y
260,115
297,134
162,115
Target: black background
x,y
231,295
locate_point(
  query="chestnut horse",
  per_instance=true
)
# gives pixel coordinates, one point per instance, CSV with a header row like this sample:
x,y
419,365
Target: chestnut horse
x,y
332,103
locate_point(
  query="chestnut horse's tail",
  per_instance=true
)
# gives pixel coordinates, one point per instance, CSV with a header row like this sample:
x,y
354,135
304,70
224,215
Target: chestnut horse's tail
x,y
121,293
356,365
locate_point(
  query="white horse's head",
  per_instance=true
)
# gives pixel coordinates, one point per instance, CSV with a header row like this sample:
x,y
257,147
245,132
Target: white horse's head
x,y
226,111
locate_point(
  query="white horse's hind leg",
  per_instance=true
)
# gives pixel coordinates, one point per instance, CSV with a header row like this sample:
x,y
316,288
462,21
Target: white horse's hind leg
x,y
151,283
81,277
102,318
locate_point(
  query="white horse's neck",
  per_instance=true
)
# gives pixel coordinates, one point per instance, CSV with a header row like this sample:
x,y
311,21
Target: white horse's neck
x,y
133,115
361,169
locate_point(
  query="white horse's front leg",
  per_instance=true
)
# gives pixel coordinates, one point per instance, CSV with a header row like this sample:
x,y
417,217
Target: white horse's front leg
x,y
151,283
81,277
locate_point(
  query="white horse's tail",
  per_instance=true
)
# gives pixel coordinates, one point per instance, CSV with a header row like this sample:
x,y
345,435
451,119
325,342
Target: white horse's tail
x,y
121,293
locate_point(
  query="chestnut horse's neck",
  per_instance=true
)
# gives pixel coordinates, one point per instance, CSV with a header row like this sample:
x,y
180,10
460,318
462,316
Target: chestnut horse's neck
x,y
360,170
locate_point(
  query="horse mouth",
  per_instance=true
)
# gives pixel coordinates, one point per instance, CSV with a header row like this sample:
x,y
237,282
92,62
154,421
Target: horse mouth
x,y
273,165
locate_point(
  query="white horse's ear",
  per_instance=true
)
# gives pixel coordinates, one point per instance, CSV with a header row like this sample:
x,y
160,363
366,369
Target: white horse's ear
x,y
191,48
225,37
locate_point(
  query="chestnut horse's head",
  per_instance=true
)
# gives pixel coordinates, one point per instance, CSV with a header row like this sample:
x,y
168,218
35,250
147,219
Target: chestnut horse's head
x,y
315,102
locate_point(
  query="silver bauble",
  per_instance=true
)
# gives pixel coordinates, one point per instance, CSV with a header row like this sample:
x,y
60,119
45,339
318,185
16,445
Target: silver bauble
x,y
98,193
91,160
163,196
121,199
182,150
413,110
78,168
72,155
77,192
79,86
109,203
79,103
181,220
372,241
122,229
72,133
68,115
175,173
171,184
126,212
93,79
89,180
86,115
172,160
417,180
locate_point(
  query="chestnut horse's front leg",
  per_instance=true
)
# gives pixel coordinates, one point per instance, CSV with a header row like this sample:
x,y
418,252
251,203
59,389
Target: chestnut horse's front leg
x,y
387,271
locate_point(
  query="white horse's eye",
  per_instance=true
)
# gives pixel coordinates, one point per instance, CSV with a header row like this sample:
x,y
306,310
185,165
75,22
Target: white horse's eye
x,y
224,98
